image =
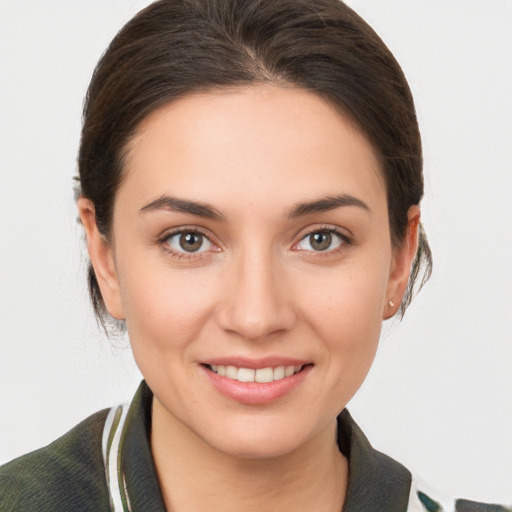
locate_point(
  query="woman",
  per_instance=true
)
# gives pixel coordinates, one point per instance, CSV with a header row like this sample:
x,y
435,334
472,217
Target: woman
x,y
250,184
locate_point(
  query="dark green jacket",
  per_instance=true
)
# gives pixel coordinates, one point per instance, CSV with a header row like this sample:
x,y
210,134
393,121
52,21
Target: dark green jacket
x,y
70,475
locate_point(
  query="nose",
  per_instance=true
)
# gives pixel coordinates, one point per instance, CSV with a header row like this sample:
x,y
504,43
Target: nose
x,y
256,301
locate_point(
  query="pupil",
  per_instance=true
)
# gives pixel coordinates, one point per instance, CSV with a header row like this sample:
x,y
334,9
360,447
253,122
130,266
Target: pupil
x,y
191,242
320,241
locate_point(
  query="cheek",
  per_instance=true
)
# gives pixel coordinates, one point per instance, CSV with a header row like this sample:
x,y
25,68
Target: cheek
x,y
349,326
350,332
347,300
165,309
344,309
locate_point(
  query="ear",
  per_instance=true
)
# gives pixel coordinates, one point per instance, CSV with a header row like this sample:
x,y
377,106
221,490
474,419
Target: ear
x,y
102,259
402,259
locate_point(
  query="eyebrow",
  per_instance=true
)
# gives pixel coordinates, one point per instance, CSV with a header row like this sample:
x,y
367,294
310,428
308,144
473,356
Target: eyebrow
x,y
174,204
326,204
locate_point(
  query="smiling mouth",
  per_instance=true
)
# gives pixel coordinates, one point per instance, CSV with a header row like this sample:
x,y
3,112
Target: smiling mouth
x,y
261,375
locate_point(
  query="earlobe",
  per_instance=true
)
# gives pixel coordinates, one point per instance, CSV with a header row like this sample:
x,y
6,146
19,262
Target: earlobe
x,y
102,259
403,258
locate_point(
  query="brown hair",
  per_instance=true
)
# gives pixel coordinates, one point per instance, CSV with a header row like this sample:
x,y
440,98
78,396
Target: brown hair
x,y
177,47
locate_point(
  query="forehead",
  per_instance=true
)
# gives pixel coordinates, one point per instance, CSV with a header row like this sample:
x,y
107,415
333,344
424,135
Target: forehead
x,y
256,141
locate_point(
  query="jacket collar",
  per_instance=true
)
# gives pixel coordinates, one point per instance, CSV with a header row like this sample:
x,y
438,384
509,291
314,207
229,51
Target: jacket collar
x,y
138,467
376,481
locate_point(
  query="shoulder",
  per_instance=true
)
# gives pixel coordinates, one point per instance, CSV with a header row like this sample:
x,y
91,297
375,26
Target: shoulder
x,y
378,482
473,506
68,474
423,500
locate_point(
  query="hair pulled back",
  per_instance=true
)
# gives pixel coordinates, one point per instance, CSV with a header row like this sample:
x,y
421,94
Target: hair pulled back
x,y
178,47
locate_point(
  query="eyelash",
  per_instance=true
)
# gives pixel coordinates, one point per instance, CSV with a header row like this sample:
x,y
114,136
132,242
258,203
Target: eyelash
x,y
163,241
345,239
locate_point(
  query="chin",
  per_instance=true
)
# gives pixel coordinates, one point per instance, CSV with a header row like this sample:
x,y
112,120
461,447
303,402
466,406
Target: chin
x,y
259,438
258,448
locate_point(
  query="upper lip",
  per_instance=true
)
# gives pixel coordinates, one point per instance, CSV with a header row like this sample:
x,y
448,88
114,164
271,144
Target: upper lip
x,y
255,363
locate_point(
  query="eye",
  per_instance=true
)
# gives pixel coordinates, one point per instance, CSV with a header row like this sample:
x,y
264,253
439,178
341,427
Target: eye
x,y
321,241
189,242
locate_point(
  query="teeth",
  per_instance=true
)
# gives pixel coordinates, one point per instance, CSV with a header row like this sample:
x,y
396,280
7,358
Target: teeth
x,y
279,373
262,375
232,372
250,375
245,375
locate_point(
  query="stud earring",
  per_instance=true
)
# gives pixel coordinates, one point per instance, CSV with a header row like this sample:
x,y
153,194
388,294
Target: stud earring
x,y
391,304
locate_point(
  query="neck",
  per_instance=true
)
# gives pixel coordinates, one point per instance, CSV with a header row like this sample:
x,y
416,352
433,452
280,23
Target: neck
x,y
195,476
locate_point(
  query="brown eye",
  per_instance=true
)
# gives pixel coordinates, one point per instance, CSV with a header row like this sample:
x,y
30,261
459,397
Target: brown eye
x,y
323,240
191,242
320,241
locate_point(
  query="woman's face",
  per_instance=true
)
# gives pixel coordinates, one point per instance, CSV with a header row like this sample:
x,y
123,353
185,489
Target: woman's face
x,y
251,242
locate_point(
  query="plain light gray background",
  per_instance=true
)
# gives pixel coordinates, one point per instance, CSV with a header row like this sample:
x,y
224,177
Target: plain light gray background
x,y
439,397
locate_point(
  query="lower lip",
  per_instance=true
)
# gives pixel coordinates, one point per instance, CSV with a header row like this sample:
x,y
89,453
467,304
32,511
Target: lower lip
x,y
256,393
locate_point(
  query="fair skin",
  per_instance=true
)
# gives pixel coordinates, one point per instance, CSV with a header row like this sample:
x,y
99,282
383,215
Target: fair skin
x,y
251,231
